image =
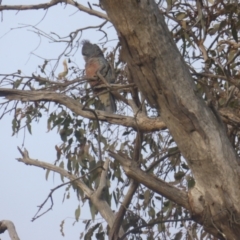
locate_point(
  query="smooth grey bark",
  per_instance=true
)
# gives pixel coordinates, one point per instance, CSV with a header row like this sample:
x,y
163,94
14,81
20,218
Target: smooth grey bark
x,y
164,79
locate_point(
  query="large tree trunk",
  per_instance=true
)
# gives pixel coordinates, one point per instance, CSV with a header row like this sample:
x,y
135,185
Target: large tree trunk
x,y
164,79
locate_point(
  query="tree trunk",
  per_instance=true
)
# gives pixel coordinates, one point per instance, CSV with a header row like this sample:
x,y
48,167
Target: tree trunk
x,y
164,79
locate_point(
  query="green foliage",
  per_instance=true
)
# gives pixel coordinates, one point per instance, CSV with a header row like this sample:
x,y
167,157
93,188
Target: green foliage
x,y
207,37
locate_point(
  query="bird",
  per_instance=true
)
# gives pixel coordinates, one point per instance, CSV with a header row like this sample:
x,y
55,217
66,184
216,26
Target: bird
x,y
95,63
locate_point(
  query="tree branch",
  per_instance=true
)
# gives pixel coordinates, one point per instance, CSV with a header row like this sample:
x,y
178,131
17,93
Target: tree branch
x,y
142,122
100,204
113,234
53,190
29,161
45,6
88,10
157,185
229,116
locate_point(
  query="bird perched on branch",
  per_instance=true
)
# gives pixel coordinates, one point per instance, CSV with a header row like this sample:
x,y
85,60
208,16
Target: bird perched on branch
x,y
97,63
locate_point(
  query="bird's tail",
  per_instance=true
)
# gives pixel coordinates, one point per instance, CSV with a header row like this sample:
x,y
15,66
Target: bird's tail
x,y
108,102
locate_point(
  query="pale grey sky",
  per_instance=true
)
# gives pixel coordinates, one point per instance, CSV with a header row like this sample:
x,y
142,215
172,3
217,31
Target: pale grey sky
x,y
24,187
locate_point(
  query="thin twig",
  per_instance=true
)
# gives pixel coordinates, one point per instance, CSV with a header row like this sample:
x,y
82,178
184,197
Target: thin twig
x,y
36,216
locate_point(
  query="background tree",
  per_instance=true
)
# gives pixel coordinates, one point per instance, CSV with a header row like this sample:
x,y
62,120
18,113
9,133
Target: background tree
x,y
174,167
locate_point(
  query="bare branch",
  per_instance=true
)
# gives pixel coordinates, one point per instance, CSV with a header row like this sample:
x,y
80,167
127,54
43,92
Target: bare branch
x,y
8,225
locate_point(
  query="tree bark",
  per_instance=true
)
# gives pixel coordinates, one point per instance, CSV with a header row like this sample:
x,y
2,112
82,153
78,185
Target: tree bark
x,y
164,79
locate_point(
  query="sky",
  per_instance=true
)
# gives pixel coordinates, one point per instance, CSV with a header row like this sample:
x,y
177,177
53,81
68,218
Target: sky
x,y
24,187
